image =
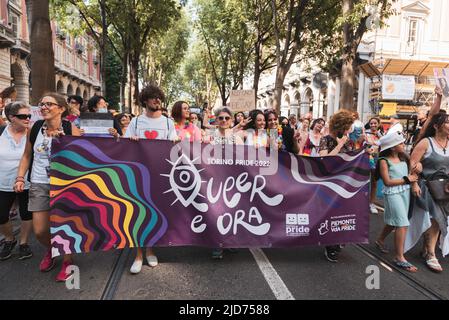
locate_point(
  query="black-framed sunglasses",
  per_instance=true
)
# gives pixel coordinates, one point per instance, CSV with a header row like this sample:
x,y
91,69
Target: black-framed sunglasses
x,y
22,116
224,118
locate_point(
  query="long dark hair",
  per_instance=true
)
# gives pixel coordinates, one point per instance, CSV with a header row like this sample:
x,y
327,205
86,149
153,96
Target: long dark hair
x,y
385,154
267,115
437,120
235,117
253,115
176,110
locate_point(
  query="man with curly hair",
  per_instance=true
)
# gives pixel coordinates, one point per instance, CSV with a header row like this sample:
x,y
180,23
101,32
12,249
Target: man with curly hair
x,y
337,142
154,126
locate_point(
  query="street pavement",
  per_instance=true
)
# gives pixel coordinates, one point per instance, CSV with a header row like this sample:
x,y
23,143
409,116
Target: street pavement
x,y
268,274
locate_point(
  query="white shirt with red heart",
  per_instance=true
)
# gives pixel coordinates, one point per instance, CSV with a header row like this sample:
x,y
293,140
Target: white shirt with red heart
x,y
151,128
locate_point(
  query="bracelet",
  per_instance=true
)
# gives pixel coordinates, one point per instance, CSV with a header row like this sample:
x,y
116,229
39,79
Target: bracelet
x,y
20,178
406,179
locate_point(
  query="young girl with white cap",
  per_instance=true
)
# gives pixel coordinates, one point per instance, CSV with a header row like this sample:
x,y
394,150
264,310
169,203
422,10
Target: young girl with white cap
x,y
393,168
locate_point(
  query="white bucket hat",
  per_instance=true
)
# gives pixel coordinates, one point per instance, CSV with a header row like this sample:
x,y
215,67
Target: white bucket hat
x,y
391,140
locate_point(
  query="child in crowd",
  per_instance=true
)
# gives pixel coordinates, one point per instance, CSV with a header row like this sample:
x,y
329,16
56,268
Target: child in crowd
x,y
393,168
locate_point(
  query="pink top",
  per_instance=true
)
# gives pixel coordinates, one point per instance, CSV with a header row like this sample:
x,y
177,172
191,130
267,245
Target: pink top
x,y
188,132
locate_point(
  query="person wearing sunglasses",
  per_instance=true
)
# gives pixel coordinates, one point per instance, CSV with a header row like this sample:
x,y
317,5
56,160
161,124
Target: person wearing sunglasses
x,y
12,145
224,134
36,160
150,125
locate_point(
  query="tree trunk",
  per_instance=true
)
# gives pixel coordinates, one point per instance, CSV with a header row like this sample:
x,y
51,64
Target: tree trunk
x,y
223,95
123,82
135,77
42,55
347,70
278,88
347,84
103,45
256,70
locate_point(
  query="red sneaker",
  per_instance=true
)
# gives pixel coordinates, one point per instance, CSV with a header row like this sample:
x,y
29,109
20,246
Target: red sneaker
x,y
47,262
63,275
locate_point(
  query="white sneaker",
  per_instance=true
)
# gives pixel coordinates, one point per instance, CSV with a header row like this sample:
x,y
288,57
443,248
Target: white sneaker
x,y
373,209
136,267
152,260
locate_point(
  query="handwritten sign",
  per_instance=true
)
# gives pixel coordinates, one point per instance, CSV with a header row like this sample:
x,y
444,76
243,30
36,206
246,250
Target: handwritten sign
x,y
243,100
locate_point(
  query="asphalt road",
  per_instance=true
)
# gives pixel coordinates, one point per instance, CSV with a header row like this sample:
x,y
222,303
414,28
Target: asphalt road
x,y
268,274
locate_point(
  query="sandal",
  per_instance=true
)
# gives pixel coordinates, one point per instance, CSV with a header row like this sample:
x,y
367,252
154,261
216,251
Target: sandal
x,y
382,248
405,265
433,264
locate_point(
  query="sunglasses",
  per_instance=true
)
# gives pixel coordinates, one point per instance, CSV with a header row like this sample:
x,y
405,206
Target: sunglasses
x,y
22,116
224,118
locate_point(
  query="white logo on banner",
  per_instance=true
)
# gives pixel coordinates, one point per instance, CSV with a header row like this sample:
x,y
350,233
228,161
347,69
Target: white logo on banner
x,y
297,225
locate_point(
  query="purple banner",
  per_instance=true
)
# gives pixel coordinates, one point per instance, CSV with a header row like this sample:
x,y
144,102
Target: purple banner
x,y
109,194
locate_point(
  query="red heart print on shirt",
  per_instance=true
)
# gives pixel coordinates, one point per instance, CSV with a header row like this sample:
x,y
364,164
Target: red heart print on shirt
x,y
151,134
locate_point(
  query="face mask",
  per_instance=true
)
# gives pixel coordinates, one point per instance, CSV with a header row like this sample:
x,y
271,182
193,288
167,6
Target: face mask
x,y
102,111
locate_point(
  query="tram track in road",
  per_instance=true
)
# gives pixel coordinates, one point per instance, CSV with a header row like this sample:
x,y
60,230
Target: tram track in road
x,y
403,275
116,275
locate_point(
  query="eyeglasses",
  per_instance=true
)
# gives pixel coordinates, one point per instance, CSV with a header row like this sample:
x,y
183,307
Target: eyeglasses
x,y
224,118
22,116
47,104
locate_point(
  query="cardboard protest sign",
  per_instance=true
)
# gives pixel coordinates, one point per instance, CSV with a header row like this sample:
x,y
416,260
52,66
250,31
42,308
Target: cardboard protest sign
x,y
242,100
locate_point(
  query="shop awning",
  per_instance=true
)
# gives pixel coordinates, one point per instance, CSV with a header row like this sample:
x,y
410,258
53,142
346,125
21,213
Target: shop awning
x,y
401,67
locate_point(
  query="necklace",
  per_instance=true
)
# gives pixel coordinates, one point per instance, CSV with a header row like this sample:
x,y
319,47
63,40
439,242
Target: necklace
x,y
444,148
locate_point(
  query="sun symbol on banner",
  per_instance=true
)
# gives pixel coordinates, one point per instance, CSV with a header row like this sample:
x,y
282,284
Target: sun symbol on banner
x,y
185,183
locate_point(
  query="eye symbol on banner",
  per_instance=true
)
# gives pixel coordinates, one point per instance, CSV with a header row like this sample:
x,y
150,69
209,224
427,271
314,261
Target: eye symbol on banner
x,y
185,179
324,228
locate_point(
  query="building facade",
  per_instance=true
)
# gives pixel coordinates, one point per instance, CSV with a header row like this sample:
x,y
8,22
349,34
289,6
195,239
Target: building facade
x,y
416,35
76,62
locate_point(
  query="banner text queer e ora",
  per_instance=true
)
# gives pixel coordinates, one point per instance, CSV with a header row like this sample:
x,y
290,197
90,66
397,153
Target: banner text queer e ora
x,y
107,194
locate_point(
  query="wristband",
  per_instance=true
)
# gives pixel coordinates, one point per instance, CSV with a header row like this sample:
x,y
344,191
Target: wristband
x,y
406,179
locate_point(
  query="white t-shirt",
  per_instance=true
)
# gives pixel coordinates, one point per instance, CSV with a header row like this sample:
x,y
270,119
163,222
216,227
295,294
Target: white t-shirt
x,y
41,162
144,127
10,155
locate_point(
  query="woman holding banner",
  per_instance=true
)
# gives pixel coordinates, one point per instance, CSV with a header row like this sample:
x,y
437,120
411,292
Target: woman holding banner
x,y
254,133
337,142
311,142
36,160
224,135
282,137
12,144
185,129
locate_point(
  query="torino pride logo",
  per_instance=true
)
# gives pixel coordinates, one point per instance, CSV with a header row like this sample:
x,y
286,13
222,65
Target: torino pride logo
x,y
186,181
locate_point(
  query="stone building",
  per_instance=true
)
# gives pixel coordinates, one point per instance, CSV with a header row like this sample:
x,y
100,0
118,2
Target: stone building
x,y
413,42
76,61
